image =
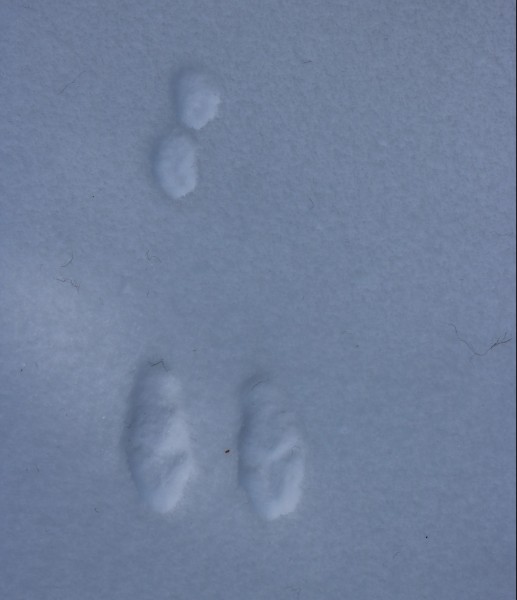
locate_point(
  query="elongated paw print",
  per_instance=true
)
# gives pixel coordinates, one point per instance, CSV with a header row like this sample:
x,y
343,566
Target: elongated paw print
x,y
158,445
271,453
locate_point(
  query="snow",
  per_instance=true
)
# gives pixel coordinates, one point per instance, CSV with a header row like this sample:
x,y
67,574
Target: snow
x,y
340,229
198,99
271,453
158,445
176,165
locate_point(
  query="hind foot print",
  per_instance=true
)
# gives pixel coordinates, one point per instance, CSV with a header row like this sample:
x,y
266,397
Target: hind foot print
x,y
198,99
158,445
271,453
176,166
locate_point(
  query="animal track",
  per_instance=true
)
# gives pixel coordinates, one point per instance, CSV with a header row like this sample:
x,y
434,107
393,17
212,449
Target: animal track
x,y
157,443
176,165
197,99
271,453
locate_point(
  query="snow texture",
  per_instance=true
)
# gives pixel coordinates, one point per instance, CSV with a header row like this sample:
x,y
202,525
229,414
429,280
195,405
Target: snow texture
x,y
158,445
271,453
198,99
176,165
354,239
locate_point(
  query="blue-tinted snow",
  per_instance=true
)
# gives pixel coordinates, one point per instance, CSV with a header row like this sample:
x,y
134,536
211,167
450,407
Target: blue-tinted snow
x,y
350,239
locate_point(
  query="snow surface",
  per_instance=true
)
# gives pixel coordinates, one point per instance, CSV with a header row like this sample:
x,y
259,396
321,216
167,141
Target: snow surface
x,y
271,452
197,98
176,165
158,445
349,241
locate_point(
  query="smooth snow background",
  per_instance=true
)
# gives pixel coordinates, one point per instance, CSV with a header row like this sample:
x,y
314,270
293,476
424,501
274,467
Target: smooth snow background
x,y
355,197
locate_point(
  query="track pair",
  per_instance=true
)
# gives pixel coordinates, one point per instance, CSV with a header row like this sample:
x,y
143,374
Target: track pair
x,y
271,455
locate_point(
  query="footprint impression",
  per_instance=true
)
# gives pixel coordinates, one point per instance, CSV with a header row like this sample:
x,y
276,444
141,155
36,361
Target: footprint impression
x,y
271,452
157,441
197,103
